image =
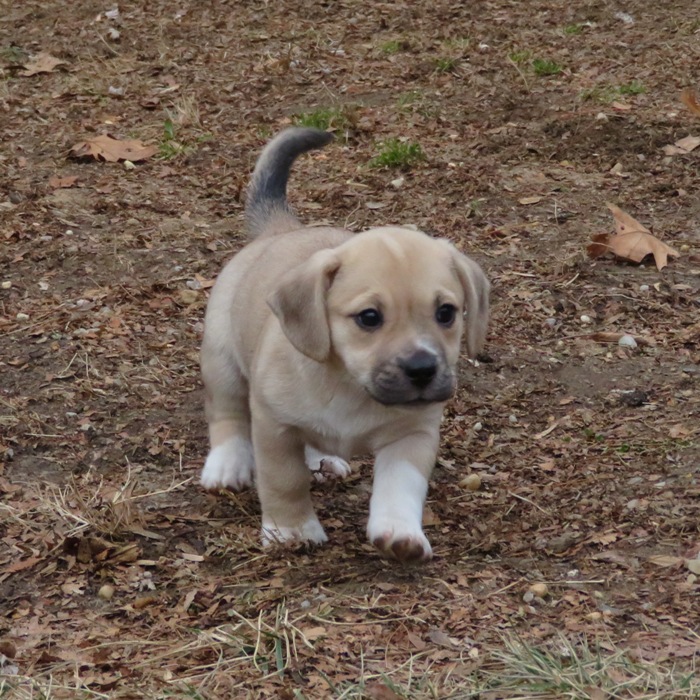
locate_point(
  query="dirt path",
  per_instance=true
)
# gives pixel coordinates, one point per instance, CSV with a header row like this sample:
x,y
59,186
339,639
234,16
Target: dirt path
x,y
530,117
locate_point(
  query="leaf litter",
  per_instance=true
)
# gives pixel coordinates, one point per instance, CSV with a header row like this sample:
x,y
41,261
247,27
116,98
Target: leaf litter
x,y
578,492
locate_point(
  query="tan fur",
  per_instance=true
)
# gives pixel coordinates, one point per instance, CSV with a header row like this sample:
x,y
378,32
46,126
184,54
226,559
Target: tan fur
x,y
285,363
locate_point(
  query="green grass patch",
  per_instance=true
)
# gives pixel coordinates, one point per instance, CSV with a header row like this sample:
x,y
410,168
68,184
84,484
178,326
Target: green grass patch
x,y
397,154
573,29
324,118
393,46
609,93
520,57
633,88
446,64
545,67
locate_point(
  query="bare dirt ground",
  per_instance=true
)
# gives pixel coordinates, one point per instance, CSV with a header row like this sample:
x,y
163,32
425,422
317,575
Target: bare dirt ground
x,y
587,452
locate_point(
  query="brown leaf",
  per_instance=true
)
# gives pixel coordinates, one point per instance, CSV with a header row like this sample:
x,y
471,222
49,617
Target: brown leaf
x,y
380,691
633,241
112,150
62,182
665,560
690,100
682,146
41,63
624,223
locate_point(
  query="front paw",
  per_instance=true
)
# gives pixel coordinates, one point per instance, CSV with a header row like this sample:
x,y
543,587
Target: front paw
x,y
399,539
311,531
230,465
326,467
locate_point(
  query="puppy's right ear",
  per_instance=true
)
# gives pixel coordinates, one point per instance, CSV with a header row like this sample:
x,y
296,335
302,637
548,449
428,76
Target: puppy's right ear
x,y
300,304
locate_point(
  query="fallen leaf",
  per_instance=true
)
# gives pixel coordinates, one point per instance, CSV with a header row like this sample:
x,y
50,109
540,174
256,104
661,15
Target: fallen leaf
x,y
690,100
530,200
112,150
665,560
682,146
621,106
41,63
379,691
632,241
62,182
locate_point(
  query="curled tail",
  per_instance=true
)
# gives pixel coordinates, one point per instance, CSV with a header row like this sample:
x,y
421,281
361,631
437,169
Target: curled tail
x,y
266,208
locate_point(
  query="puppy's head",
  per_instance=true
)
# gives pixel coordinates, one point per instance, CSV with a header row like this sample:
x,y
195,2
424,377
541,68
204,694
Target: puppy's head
x,y
391,305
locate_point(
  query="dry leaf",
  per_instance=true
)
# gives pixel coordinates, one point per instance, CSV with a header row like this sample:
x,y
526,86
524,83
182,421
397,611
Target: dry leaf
x,y
621,106
632,241
665,560
41,63
380,691
530,200
690,100
62,182
682,146
112,150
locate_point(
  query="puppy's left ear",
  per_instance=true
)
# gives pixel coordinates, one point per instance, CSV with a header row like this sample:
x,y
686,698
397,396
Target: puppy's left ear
x,y
299,302
476,301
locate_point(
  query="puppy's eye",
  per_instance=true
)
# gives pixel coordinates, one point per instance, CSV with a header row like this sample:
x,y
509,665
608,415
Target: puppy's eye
x,y
369,319
446,314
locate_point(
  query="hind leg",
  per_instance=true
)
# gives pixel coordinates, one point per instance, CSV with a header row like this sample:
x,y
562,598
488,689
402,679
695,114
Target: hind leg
x,y
230,463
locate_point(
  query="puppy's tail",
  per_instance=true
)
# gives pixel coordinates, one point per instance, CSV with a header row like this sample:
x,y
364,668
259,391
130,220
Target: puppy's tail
x,y
267,212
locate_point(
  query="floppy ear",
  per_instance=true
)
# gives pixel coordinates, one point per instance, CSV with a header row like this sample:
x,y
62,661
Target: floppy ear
x,y
476,301
299,302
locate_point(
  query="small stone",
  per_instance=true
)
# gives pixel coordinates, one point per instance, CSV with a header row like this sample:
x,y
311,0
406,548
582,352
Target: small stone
x,y
477,427
471,482
643,287
528,597
512,418
595,615
551,322
7,284
627,341
129,165
398,182
106,592
586,319
22,316
539,589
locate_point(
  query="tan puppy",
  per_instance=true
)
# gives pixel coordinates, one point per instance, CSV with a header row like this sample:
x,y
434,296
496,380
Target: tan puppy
x,y
319,342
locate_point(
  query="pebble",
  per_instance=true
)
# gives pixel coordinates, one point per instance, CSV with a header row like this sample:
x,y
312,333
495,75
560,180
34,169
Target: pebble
x,y
539,589
586,319
7,284
471,482
627,341
477,427
643,287
512,418
551,322
22,316
106,592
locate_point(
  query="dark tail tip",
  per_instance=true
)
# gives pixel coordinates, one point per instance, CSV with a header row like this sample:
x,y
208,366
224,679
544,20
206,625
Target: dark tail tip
x,y
267,194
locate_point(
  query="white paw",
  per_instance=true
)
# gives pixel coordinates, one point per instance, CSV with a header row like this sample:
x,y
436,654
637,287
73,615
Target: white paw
x,y
230,465
326,467
310,531
398,538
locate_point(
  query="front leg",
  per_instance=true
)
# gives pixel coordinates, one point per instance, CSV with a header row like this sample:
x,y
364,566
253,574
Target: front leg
x,y
401,473
284,484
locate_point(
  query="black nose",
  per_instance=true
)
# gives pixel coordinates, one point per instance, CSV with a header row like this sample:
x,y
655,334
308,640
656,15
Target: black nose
x,y
420,368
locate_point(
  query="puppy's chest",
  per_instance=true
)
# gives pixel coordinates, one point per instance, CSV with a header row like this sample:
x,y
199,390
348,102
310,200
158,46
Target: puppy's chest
x,y
341,431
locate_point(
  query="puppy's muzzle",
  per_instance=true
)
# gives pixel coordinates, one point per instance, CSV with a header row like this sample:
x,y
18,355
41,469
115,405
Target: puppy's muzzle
x,y
416,378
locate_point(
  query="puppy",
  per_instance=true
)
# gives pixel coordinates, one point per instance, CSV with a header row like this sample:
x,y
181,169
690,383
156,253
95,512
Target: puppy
x,y
318,342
